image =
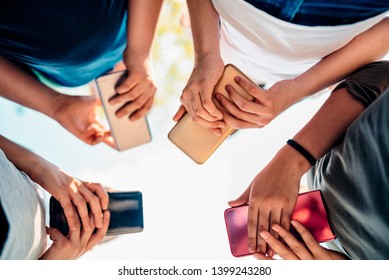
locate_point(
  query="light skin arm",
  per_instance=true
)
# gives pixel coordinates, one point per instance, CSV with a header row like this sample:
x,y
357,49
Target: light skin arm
x,y
138,90
367,47
75,113
273,192
196,97
73,194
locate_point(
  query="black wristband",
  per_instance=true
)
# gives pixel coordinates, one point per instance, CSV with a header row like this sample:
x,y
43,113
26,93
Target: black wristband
x,y
302,151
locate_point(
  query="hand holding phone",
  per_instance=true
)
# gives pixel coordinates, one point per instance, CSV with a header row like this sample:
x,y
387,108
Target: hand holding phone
x,y
196,141
126,134
126,210
310,211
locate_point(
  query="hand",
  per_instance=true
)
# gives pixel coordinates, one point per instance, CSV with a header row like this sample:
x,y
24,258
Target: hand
x,y
272,196
77,243
296,250
74,195
78,114
196,97
265,106
136,92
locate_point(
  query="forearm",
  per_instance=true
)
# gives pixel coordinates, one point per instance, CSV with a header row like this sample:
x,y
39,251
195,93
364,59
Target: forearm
x,y
20,87
205,28
345,104
367,47
142,21
24,160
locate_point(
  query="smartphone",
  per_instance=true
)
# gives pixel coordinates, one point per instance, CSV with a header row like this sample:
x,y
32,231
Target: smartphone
x,y
126,134
195,140
126,210
310,211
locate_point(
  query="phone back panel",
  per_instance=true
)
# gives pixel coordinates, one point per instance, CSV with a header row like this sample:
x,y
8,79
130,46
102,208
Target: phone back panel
x,y
126,134
309,211
195,140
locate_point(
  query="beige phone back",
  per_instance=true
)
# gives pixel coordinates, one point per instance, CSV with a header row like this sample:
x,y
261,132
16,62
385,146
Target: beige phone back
x,y
126,134
195,140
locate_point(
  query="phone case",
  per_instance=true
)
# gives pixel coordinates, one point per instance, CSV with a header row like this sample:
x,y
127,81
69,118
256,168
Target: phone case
x,y
310,211
126,214
126,134
193,139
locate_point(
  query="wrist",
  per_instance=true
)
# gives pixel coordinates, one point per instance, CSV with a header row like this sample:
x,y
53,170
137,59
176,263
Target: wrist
x,y
208,56
297,164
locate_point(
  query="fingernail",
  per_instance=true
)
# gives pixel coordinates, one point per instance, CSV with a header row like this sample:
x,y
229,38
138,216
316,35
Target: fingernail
x,y
271,252
294,223
237,79
264,235
251,248
228,87
275,228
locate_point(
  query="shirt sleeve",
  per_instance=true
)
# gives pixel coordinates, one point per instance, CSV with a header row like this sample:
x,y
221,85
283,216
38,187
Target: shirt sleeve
x,y
368,82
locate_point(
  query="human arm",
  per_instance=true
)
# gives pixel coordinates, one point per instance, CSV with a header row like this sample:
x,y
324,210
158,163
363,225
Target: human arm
x,y
310,250
196,97
68,190
77,114
137,91
77,243
273,192
367,47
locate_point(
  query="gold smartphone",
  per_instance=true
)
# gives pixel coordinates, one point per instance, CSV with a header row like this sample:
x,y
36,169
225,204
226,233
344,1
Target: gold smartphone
x,y
197,141
126,134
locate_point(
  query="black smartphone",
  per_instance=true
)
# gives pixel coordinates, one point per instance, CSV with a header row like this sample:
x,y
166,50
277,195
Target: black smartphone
x,y
126,213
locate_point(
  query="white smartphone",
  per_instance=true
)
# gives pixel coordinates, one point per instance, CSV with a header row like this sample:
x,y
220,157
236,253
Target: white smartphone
x,y
126,134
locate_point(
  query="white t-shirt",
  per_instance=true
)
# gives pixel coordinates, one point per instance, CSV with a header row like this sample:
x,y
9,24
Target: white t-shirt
x,y
25,212
268,49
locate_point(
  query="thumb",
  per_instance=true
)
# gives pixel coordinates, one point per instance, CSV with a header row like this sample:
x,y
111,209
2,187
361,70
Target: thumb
x,y
243,199
55,234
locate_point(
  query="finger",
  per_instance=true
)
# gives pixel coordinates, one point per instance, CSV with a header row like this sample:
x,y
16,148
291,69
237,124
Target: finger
x,y
55,234
252,225
263,257
143,110
242,103
206,93
82,210
180,113
249,87
278,247
201,106
70,214
133,105
243,199
275,218
294,245
94,205
237,123
248,119
86,235
263,224
100,192
308,238
74,235
101,232
108,140
127,84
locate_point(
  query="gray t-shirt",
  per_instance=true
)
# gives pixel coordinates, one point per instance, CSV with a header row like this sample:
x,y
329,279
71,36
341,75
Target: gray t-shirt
x,y
354,175
25,212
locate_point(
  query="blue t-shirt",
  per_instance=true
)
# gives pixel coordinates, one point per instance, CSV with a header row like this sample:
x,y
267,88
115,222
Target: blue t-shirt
x,y
322,12
69,41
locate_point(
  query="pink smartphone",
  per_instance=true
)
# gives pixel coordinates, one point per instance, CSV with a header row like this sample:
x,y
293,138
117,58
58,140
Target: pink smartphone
x,y
309,211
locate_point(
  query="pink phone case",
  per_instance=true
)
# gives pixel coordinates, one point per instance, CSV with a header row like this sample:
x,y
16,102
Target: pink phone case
x,y
309,211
